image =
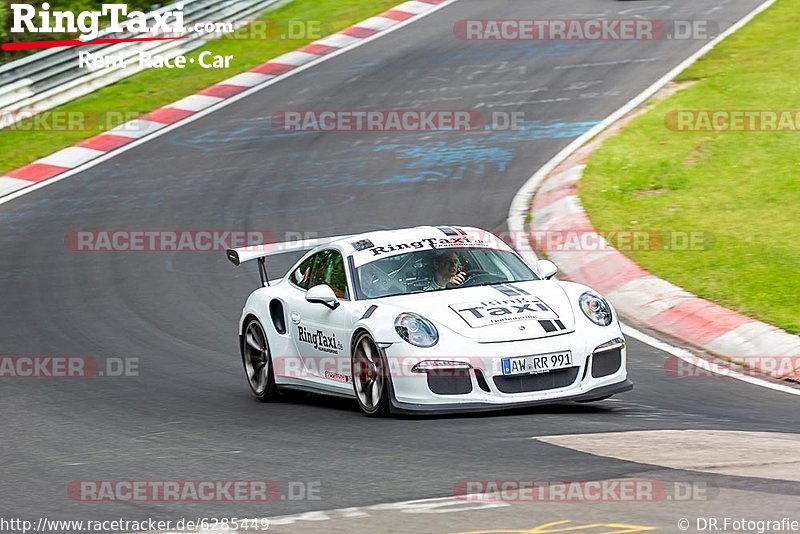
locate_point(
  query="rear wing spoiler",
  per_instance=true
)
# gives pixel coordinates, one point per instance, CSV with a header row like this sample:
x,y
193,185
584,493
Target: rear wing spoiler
x,y
238,256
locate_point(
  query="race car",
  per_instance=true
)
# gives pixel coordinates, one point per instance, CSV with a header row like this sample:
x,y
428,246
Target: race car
x,y
427,319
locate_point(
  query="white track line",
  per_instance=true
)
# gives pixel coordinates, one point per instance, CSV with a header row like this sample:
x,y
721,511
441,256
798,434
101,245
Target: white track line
x,y
221,105
520,205
706,365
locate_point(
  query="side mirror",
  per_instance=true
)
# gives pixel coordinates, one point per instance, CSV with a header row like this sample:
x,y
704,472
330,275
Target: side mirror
x,y
322,294
546,268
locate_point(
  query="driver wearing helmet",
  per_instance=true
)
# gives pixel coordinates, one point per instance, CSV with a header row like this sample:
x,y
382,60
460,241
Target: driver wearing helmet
x,y
446,270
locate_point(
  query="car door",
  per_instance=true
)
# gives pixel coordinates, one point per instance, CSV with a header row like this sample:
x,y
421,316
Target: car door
x,y
321,335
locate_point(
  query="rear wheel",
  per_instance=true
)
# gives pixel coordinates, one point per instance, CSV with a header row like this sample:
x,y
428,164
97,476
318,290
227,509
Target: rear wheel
x,y
370,377
257,362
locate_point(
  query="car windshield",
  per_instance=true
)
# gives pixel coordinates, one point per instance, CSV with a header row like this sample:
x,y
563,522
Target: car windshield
x,y
436,270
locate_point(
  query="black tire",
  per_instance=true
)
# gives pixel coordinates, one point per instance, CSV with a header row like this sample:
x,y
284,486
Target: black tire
x,y
257,362
369,371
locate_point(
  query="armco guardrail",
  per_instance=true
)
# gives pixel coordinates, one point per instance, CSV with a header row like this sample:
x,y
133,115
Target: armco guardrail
x,y
53,77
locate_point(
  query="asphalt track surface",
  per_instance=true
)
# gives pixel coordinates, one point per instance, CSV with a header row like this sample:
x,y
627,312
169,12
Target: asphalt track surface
x,y
189,415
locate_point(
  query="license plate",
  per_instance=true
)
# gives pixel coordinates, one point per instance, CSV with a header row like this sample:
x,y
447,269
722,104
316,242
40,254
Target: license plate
x,y
540,363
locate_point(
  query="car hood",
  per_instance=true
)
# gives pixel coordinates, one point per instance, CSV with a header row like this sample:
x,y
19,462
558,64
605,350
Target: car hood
x,y
522,310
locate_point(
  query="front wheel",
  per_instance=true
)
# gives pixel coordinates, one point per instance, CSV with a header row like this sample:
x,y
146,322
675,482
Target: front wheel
x,y
257,362
370,377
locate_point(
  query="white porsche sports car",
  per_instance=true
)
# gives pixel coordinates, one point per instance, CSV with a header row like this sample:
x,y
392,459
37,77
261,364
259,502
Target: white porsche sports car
x,y
427,319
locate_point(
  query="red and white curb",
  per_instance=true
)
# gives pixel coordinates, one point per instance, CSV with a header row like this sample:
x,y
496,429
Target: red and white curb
x,y
550,198
90,149
647,299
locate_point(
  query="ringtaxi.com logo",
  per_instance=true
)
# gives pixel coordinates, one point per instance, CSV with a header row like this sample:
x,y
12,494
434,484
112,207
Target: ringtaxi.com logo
x,y
66,367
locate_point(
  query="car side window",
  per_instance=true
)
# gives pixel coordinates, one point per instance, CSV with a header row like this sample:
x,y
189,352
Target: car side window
x,y
320,268
335,275
326,267
302,276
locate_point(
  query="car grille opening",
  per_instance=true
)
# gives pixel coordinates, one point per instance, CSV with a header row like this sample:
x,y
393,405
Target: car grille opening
x,y
482,383
606,363
585,369
536,382
449,381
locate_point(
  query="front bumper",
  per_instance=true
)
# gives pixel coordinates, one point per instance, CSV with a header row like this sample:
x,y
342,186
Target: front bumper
x,y
485,387
433,409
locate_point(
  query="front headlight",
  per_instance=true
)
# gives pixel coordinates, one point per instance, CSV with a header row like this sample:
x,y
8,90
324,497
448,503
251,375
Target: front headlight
x,y
595,308
416,329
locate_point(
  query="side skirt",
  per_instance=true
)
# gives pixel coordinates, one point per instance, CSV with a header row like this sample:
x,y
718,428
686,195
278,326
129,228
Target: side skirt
x,y
317,390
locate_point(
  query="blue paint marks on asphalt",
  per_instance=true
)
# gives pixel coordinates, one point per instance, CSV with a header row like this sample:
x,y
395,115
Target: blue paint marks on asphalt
x,y
537,130
215,140
440,153
418,157
560,49
484,153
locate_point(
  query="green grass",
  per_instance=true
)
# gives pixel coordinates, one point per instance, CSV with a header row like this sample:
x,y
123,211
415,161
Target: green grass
x,y
742,187
154,88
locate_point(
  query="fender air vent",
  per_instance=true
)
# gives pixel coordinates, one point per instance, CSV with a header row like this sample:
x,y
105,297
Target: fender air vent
x,y
278,316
